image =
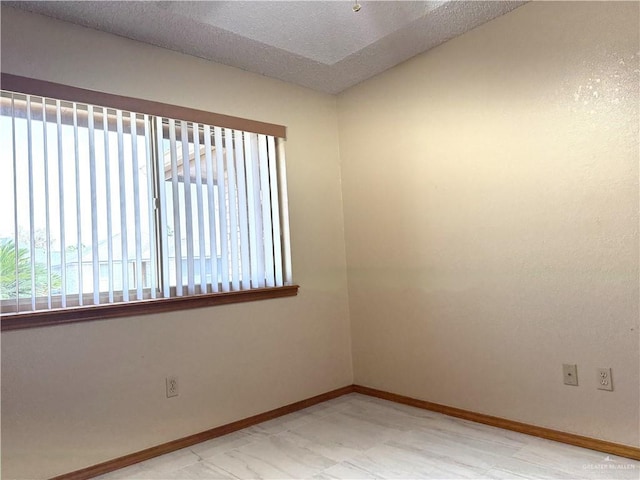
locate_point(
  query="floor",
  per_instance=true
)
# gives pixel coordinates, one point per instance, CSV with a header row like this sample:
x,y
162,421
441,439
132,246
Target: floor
x,y
356,436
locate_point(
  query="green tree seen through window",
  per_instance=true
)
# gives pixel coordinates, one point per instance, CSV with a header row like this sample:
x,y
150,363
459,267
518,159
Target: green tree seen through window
x,y
18,280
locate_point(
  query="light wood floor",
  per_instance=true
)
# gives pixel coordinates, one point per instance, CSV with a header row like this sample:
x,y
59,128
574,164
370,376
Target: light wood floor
x,y
357,436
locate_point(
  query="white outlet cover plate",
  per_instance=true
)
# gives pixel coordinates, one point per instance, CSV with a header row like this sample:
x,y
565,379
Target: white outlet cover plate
x,y
605,382
172,387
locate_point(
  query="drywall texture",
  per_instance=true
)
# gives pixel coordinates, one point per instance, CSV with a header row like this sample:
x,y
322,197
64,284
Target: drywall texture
x,y
491,212
76,395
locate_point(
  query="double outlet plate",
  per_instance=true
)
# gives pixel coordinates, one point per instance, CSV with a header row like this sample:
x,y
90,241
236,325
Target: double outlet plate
x,y
172,387
604,381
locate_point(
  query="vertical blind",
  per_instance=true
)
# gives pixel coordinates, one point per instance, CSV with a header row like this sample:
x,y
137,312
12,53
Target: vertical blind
x,y
104,205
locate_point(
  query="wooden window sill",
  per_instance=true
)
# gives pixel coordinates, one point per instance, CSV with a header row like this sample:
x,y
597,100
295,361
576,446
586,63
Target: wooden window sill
x,y
60,316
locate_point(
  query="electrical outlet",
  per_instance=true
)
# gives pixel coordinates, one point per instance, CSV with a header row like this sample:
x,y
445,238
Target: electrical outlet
x,y
604,379
570,373
172,387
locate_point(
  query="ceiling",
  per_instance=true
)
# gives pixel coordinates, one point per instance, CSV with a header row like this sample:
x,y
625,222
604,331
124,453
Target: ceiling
x,y
322,45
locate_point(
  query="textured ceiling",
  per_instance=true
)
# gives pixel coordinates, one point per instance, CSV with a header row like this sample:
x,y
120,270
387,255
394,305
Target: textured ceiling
x,y
323,45
326,32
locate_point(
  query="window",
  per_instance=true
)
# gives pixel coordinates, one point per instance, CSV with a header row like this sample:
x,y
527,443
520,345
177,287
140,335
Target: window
x,y
104,206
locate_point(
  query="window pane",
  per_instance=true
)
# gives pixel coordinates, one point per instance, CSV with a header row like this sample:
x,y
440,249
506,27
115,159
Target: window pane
x,y
104,205
67,188
190,191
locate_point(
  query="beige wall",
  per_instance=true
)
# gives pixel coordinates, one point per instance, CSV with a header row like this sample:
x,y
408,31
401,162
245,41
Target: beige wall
x,y
491,211
77,395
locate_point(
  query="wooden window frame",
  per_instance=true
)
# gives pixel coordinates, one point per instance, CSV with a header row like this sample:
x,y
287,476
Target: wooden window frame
x,y
62,316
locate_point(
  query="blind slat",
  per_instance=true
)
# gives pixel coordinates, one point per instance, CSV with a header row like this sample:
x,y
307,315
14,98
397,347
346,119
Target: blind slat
x,y
107,170
284,212
161,229
47,228
222,219
94,208
232,209
63,246
32,242
123,211
197,160
186,175
275,212
260,229
266,211
242,211
150,206
251,208
79,249
16,240
213,243
176,209
136,205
